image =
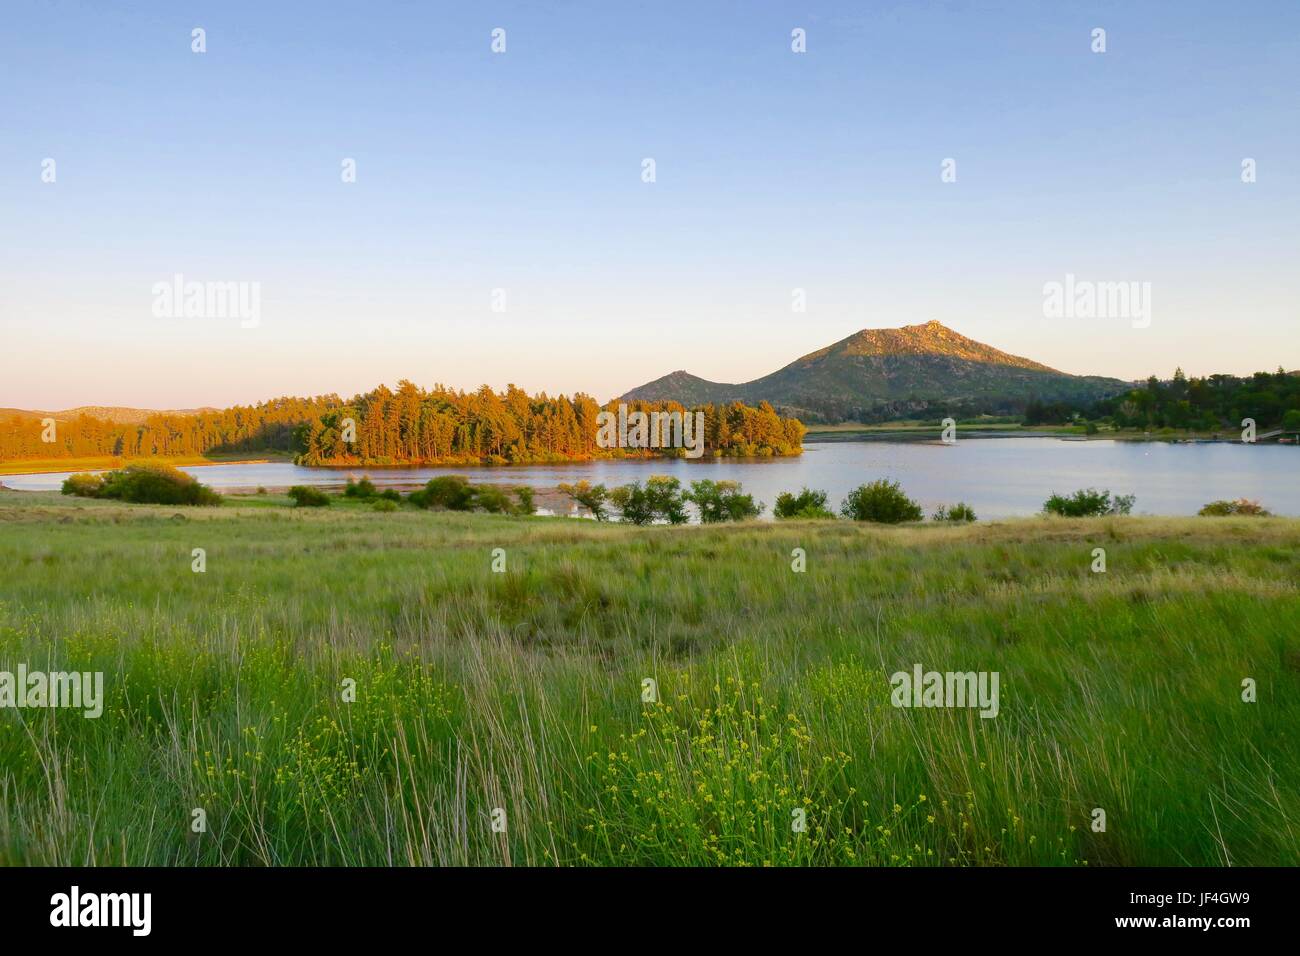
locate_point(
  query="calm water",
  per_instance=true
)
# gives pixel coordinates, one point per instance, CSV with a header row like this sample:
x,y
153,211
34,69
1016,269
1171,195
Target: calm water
x,y
998,477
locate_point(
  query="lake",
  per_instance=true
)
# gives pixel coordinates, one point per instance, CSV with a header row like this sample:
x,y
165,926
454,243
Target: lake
x,y
998,477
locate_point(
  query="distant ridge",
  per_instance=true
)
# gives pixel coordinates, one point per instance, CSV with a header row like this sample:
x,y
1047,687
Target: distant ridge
x,y
887,371
117,414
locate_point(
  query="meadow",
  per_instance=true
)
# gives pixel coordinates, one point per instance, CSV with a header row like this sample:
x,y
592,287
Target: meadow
x,y
499,719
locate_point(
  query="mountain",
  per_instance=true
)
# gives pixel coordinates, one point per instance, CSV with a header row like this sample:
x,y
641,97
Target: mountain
x,y
881,373
116,414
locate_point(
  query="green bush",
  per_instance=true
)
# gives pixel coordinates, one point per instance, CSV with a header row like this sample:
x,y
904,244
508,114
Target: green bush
x,y
666,498
592,497
722,501
806,504
451,492
662,497
455,493
158,484
959,512
1242,506
391,494
385,504
83,485
492,499
633,503
1088,503
305,496
881,501
363,489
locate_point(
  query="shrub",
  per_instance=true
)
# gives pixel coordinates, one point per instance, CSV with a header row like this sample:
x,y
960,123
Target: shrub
x,y
261,490
83,485
455,493
592,497
492,499
391,494
1242,506
881,501
666,498
447,491
307,497
363,489
385,504
1088,503
662,497
958,512
806,504
722,501
633,503
155,483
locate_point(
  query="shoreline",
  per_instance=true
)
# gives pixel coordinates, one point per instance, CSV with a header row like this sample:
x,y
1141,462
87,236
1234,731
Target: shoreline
x,y
95,469
353,467
551,503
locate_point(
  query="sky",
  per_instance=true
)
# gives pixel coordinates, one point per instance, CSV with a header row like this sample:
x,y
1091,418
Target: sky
x,y
500,228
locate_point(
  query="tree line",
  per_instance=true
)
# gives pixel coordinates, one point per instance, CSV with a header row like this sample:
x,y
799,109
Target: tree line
x,y
402,426
266,426
1212,403
443,426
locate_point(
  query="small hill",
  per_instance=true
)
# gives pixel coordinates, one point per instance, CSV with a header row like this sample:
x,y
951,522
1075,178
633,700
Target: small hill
x,y
685,388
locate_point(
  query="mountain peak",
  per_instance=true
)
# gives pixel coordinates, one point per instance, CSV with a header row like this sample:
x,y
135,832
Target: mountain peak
x,y
902,368
928,339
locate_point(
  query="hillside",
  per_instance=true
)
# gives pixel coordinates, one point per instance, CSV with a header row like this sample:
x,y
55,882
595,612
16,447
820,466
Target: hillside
x,y
116,414
882,371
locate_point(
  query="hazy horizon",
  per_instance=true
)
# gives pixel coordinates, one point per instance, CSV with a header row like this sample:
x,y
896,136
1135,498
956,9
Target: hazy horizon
x,y
522,171
498,386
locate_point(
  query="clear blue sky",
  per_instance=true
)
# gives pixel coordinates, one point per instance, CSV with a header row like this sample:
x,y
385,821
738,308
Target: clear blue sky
x,y
522,171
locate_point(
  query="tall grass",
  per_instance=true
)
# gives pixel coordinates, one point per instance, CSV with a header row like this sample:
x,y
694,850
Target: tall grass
x,y
523,690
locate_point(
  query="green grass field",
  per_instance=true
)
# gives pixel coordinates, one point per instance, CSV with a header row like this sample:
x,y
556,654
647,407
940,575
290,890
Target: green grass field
x,y
521,691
